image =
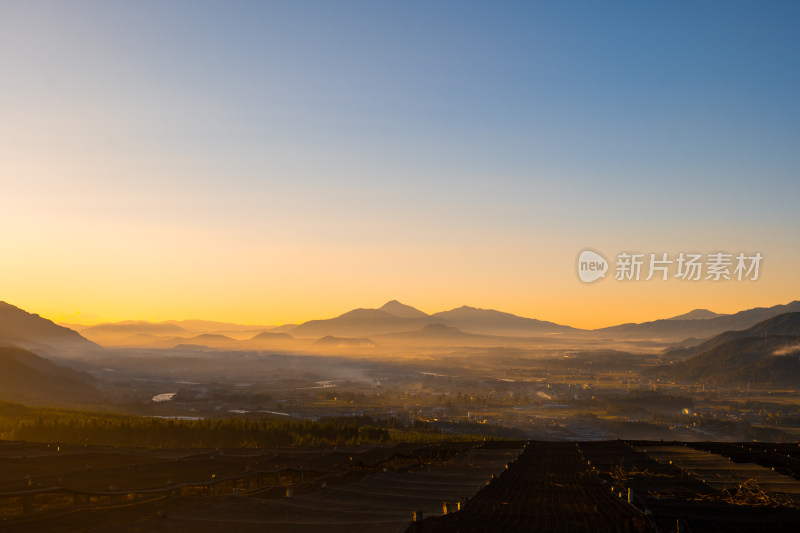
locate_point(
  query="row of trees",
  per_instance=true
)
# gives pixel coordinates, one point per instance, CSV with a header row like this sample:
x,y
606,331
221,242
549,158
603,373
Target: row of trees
x,y
79,427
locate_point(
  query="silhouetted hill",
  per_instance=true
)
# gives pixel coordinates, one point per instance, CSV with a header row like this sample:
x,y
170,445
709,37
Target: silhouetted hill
x,y
725,361
489,321
437,333
358,323
283,329
25,377
679,329
270,336
330,341
212,337
759,354
778,370
134,328
208,339
212,326
33,332
402,310
132,333
697,314
395,317
787,324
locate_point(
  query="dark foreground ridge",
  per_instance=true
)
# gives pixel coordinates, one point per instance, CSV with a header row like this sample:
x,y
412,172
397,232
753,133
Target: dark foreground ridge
x,y
549,487
619,486
495,486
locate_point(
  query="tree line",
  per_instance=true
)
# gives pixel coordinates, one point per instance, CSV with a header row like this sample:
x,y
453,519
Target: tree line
x,y
103,429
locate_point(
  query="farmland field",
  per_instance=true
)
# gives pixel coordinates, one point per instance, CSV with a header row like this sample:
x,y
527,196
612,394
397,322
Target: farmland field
x,y
626,486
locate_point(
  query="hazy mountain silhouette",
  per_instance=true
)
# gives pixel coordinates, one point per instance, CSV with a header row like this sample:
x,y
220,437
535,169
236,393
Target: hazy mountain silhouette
x,y
212,337
271,336
395,317
402,310
359,323
26,377
787,324
131,333
723,363
211,340
330,341
440,333
697,314
139,339
134,328
679,329
282,329
33,332
489,321
212,326
765,353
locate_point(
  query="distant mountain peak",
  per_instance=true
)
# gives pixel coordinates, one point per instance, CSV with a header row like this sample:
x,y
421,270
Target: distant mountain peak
x,y
680,327
271,335
697,314
494,322
401,310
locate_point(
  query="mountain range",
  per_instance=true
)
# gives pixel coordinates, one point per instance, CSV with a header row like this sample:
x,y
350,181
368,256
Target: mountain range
x,y
760,345
396,317
389,323
767,353
678,328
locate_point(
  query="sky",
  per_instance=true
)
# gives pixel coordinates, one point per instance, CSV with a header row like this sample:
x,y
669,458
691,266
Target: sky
x,y
274,162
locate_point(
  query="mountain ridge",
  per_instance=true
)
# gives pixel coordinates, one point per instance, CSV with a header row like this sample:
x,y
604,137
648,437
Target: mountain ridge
x,y
394,317
678,329
25,376
33,332
767,350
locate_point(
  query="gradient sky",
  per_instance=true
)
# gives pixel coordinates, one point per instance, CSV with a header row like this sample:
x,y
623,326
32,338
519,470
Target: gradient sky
x,y
272,162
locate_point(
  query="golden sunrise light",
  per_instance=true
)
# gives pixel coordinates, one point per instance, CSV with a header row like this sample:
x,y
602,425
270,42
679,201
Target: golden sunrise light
x,y
399,267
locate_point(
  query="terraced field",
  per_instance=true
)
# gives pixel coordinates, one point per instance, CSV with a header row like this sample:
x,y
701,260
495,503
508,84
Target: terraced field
x,y
720,472
636,486
783,458
374,501
351,489
696,493
548,488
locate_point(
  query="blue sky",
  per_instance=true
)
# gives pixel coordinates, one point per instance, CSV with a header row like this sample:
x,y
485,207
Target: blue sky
x,y
441,131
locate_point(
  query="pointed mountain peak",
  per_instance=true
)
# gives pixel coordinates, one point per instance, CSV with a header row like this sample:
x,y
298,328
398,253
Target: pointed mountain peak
x,y
402,310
